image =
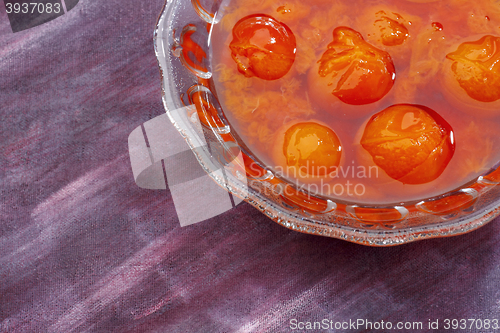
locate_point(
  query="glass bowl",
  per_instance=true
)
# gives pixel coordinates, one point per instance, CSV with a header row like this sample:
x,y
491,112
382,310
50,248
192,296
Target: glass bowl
x,y
192,105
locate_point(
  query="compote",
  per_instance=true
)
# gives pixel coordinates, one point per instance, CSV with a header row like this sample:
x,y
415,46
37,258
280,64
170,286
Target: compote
x,y
399,99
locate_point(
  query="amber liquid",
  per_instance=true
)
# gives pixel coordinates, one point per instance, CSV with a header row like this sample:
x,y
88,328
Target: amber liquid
x,y
260,111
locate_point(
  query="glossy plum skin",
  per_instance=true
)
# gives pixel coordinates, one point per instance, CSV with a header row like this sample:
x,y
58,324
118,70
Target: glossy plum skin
x,y
262,47
411,143
313,148
476,68
392,32
358,73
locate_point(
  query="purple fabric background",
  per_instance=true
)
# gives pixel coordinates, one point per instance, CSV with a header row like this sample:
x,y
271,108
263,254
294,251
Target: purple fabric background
x,y
83,249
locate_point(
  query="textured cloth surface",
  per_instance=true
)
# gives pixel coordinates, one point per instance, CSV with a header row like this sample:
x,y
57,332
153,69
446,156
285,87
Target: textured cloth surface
x,y
83,249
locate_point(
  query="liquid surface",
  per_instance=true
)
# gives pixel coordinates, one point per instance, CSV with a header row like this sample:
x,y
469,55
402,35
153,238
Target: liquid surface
x,y
439,62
